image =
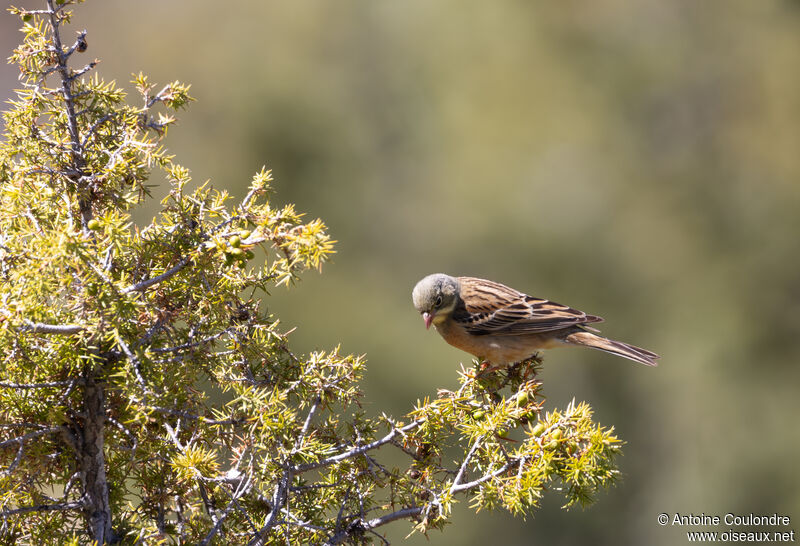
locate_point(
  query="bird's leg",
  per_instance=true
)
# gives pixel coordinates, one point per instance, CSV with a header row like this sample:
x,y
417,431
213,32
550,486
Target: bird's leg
x,y
487,367
488,381
531,366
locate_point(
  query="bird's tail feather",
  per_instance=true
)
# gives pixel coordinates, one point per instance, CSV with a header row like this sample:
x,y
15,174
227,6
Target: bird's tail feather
x,y
637,354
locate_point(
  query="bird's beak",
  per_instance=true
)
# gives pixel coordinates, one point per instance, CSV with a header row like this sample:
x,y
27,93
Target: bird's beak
x,y
428,318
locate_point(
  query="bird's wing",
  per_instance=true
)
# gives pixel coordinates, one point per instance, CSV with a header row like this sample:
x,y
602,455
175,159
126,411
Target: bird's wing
x,y
493,308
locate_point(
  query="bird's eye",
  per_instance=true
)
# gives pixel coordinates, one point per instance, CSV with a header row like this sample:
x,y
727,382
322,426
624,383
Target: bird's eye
x,y
439,301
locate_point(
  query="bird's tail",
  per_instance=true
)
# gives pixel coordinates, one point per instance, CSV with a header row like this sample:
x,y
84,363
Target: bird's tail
x,y
588,339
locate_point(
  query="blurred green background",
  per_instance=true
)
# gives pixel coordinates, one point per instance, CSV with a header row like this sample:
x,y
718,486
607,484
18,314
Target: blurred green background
x,y
636,159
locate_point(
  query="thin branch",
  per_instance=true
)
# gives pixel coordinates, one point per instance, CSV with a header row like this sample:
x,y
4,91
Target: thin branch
x,y
125,431
80,72
313,486
61,172
359,526
108,259
293,520
8,471
485,478
194,417
340,515
249,197
80,40
21,425
208,505
75,478
358,450
243,487
394,516
136,365
51,329
66,85
31,436
465,463
95,127
42,508
144,285
192,344
72,384
153,330
302,436
7,385
278,498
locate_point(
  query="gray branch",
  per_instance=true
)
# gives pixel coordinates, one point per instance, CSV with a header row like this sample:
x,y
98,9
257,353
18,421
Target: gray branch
x,y
42,508
8,385
465,463
360,526
358,450
278,499
485,478
31,436
144,285
51,329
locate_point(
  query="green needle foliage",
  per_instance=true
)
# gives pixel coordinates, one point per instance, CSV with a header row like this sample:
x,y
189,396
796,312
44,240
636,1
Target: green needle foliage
x,y
145,398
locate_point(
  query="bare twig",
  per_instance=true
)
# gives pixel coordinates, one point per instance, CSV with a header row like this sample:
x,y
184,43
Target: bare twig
x,y
359,526
51,329
302,436
465,463
207,504
278,498
80,72
71,387
137,368
8,385
144,285
42,508
242,488
358,450
66,82
125,431
511,463
31,436
93,129
192,344
8,471
194,417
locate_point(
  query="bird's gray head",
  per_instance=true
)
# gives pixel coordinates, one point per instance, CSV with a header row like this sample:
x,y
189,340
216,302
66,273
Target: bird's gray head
x,y
435,297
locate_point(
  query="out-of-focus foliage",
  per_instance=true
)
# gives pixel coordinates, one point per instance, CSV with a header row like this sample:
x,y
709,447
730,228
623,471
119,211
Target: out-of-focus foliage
x,y
635,159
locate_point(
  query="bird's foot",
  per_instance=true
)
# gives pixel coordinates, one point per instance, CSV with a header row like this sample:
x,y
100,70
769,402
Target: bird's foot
x,y
485,367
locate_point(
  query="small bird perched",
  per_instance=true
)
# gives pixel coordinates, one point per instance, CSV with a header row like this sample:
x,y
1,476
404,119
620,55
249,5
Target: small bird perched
x,y
502,326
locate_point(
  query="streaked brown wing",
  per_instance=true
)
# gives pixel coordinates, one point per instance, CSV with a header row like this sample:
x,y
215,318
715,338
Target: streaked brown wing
x,y
493,308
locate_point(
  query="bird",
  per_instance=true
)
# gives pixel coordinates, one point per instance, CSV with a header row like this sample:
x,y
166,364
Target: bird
x,y
502,326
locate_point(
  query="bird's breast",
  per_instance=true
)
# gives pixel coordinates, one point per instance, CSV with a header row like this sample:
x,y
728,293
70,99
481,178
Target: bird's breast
x,y
496,349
